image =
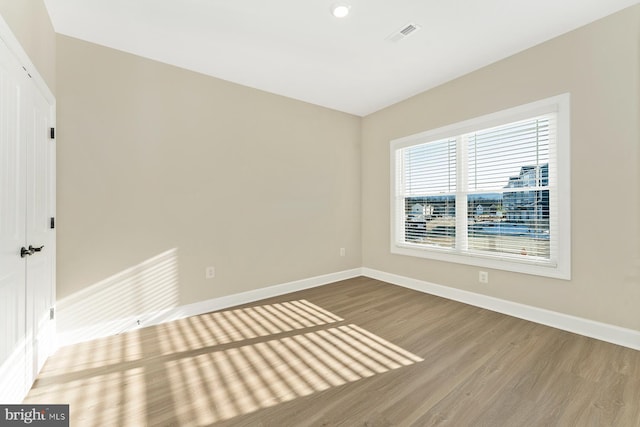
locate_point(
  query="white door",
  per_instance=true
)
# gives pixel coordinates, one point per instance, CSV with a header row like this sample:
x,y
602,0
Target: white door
x,y
12,231
39,233
26,277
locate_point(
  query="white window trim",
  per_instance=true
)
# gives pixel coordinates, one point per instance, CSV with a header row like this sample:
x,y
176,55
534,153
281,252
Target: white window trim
x,y
562,268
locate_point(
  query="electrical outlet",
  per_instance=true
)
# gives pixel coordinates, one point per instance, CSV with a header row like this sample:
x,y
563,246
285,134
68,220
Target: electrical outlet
x,y
210,272
483,277
343,251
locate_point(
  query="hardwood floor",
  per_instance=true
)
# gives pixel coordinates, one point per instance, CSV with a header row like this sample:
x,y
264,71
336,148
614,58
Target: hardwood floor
x,y
354,353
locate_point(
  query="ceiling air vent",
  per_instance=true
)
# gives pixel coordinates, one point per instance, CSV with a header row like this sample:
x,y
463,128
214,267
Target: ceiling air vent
x,y
403,32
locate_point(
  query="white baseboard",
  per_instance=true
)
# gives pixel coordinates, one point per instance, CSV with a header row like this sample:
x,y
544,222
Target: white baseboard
x,y
129,323
601,331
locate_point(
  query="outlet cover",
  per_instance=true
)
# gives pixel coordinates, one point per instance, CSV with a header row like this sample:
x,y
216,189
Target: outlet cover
x,y
483,277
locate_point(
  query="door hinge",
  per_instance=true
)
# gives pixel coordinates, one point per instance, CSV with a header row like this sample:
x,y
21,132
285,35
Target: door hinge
x,y
52,133
52,313
52,223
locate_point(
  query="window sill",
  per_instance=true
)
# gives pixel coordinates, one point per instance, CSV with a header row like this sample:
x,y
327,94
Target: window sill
x,y
558,270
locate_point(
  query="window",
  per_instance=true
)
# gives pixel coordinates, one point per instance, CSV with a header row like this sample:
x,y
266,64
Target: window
x,y
491,191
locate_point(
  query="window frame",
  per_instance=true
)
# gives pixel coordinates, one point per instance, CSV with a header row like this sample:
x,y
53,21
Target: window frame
x,y
559,265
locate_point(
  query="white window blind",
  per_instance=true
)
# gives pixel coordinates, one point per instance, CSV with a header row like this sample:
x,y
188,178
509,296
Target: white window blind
x,y
430,168
489,192
509,190
429,193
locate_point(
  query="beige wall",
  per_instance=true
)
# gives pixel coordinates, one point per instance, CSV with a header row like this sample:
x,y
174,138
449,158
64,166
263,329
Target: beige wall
x,y
599,65
153,158
29,21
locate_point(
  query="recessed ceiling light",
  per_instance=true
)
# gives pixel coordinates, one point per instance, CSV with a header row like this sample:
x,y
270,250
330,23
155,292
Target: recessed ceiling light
x,y
340,10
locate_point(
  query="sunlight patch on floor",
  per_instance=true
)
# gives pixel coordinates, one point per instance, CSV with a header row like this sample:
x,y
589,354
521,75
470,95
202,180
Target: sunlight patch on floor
x,y
225,364
244,379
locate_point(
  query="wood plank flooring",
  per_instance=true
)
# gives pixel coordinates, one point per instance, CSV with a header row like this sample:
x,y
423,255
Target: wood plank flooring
x,y
354,353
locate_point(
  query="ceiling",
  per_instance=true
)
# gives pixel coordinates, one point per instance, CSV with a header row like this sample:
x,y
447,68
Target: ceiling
x,y
296,48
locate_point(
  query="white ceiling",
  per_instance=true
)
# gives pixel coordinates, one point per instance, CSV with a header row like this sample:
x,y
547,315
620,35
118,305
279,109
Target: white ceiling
x,y
296,48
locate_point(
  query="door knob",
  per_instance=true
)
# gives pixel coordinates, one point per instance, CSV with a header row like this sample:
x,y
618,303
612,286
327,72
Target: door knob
x,y
24,252
32,249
